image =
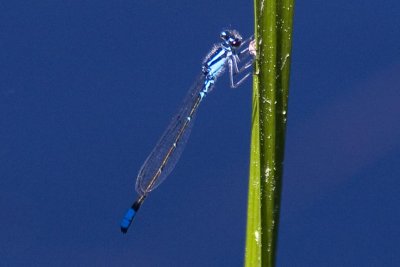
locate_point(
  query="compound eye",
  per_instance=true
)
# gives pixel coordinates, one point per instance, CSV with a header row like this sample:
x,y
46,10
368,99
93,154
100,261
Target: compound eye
x,y
236,42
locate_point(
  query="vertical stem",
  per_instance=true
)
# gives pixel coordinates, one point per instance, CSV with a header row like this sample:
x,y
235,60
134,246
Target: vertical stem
x,y
273,29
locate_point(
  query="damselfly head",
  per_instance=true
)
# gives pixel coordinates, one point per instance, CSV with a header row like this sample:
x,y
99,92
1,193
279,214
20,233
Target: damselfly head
x,y
232,38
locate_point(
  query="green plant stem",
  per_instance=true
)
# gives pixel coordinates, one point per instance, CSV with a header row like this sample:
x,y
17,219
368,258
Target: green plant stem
x,y
273,30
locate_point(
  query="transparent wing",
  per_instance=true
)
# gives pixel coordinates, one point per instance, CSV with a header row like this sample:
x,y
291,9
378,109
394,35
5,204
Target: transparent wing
x,y
166,153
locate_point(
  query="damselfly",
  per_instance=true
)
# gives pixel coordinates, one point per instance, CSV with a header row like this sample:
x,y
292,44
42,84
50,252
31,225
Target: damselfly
x,y
162,160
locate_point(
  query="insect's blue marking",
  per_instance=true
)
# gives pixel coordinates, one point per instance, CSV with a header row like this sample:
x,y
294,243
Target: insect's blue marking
x,y
127,220
202,94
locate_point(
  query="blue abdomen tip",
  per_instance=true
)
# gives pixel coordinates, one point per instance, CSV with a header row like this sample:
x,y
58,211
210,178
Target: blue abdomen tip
x,y
127,220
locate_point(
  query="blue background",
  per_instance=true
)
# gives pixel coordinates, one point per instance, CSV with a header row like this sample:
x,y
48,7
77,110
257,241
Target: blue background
x,y
87,87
